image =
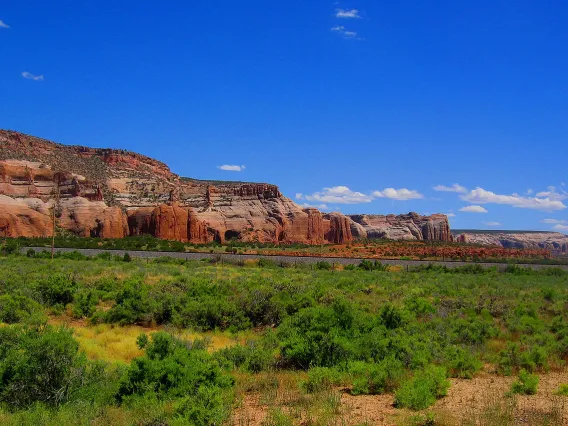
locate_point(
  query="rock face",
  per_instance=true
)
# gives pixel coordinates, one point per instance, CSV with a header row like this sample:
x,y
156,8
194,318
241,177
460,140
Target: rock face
x,y
111,193
115,193
409,227
553,241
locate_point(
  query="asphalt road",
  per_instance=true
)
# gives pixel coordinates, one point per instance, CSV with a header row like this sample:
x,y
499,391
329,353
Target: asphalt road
x,y
234,258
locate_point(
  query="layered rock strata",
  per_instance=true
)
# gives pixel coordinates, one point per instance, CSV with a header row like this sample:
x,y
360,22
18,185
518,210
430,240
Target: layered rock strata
x,y
553,241
408,227
112,193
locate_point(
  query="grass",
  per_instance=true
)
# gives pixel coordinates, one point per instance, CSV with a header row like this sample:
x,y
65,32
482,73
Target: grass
x,y
112,343
361,312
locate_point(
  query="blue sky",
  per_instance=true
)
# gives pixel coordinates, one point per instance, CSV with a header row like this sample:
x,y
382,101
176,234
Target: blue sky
x,y
361,106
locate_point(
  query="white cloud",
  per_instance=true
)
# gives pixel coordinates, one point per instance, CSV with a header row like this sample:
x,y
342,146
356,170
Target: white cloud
x,y
339,195
454,188
473,209
554,221
344,195
553,193
560,227
481,196
317,206
30,76
492,223
529,191
340,29
398,194
451,214
3,24
350,14
231,168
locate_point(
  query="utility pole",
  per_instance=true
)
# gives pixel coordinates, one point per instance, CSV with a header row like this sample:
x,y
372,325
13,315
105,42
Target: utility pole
x,y
54,213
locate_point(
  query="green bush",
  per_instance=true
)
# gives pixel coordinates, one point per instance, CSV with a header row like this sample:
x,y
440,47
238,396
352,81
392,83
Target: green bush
x,y
374,379
57,290
39,364
17,308
321,379
461,362
562,390
526,384
254,356
423,389
169,370
85,303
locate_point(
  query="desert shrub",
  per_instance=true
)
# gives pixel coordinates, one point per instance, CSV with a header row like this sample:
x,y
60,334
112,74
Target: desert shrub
x,y
419,306
254,356
105,255
210,313
461,362
472,331
392,317
324,266
515,357
39,364
368,265
318,337
261,307
320,379
132,305
526,384
422,390
17,308
562,390
375,378
169,370
263,262
85,303
57,290
509,359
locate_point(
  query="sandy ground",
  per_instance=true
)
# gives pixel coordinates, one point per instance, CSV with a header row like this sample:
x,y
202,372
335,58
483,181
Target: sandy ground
x,y
480,401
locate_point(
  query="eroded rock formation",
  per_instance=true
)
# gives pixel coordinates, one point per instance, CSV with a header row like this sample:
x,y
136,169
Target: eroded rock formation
x,y
115,193
407,227
553,241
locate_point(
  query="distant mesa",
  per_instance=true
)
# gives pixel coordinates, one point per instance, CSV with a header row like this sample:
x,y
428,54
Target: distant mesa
x,y
552,241
112,193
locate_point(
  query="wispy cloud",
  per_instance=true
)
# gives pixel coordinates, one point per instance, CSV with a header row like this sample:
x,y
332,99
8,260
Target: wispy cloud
x,y
555,221
451,214
348,13
454,188
316,206
231,168
492,223
482,196
340,29
398,194
31,76
3,24
560,227
338,195
553,193
473,209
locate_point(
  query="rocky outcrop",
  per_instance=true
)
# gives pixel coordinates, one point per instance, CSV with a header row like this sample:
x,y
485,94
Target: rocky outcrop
x,y
113,193
24,218
553,241
168,222
408,227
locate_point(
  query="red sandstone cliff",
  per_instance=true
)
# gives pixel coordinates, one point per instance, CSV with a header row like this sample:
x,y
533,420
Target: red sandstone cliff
x,y
410,226
115,193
